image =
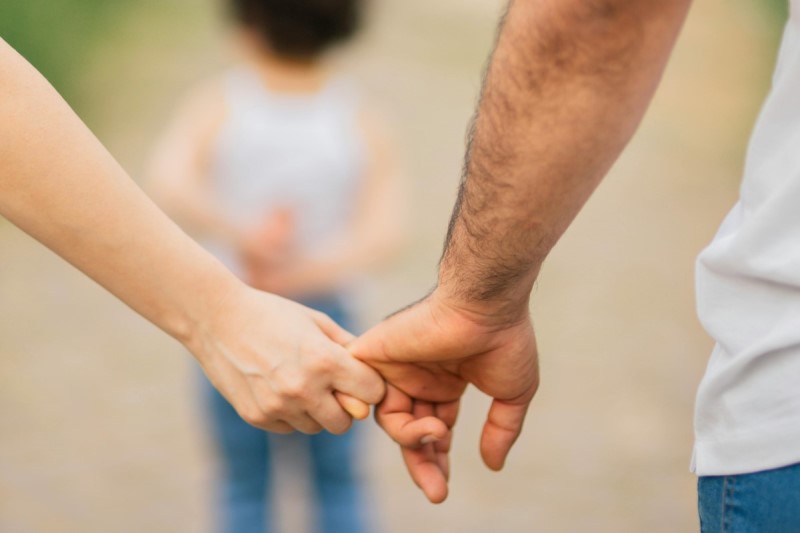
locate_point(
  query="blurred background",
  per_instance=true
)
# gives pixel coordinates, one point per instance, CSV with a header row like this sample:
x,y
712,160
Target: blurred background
x,y
99,427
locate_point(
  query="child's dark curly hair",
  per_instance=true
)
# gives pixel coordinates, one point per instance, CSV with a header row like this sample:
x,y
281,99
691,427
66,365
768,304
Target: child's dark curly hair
x,y
300,28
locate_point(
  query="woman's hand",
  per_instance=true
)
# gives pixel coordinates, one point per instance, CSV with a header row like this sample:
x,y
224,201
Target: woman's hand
x,y
278,363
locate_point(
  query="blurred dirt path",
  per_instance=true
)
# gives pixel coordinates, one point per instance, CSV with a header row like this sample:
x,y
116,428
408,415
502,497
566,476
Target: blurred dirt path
x,y
98,428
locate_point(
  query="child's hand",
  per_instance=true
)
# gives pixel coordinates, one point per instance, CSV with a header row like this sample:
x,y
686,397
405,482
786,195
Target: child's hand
x,y
267,245
273,237
297,277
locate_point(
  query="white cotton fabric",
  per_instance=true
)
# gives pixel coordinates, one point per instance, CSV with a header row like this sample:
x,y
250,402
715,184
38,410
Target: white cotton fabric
x,y
301,152
747,415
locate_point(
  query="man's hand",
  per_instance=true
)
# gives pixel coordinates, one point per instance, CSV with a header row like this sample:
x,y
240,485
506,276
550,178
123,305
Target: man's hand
x,y
279,363
566,87
428,353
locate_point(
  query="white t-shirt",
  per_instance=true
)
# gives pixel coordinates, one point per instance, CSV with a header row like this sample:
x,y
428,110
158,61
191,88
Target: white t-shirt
x,y
747,415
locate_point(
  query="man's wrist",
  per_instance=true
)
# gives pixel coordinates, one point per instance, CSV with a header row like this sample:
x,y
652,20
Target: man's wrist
x,y
502,309
487,268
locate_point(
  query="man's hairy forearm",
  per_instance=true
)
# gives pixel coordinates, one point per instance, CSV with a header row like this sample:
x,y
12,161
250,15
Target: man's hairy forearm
x,y
567,85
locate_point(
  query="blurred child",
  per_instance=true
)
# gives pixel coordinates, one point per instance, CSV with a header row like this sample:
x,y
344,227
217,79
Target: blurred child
x,y
281,171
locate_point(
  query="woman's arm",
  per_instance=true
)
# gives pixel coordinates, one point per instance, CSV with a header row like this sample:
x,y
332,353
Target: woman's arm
x,y
277,362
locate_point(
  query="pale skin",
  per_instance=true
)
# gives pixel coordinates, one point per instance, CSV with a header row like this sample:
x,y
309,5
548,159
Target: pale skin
x,y
567,86
276,361
178,176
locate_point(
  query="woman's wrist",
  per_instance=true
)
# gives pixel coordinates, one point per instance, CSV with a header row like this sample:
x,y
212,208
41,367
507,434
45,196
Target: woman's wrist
x,y
201,301
502,308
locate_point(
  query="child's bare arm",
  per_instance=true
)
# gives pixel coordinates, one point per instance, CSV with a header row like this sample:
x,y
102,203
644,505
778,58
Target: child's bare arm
x,y
380,222
177,175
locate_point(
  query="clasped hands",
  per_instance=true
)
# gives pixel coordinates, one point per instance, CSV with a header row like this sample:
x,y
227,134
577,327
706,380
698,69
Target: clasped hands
x,y
286,367
428,353
281,366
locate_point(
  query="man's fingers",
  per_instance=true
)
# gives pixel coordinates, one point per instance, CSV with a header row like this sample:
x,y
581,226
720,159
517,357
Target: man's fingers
x,y
411,335
382,340
447,412
424,438
424,468
502,427
399,416
412,432
419,381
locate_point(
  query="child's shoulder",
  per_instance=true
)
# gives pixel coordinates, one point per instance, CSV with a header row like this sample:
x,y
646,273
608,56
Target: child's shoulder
x,y
202,105
208,90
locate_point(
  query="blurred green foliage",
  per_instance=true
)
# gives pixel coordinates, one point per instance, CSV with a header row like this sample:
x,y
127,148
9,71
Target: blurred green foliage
x,y
57,36
778,8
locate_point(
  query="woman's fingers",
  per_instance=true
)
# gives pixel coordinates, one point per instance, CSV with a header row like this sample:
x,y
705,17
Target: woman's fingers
x,y
356,379
330,328
354,407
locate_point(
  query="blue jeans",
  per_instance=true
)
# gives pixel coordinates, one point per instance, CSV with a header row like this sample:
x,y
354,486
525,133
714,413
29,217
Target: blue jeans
x,y
244,492
763,502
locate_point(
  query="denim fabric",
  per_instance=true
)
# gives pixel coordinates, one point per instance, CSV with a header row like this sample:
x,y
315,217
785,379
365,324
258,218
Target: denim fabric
x,y
763,502
244,491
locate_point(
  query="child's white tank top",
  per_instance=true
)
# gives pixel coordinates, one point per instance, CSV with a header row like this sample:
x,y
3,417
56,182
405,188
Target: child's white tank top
x,y
302,152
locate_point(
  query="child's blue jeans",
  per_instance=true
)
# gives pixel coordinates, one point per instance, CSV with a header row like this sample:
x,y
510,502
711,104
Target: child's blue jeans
x,y
763,502
244,491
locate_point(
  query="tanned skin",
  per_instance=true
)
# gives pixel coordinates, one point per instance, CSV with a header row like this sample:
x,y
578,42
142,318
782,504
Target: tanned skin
x,y
566,87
